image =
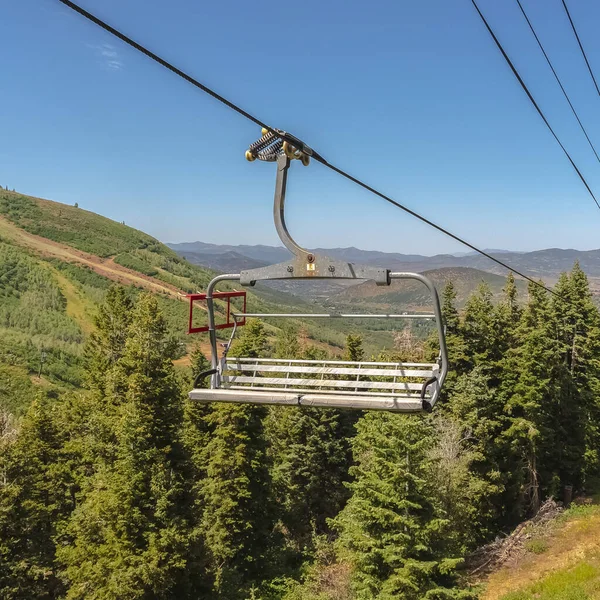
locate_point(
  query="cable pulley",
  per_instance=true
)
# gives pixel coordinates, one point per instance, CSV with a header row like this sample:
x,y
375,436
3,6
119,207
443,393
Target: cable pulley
x,y
272,143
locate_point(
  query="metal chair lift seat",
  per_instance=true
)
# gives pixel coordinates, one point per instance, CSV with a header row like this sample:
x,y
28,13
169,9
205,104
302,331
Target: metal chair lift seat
x,y
323,383
392,386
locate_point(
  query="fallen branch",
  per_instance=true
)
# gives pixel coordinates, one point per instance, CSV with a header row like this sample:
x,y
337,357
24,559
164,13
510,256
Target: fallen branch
x,y
495,554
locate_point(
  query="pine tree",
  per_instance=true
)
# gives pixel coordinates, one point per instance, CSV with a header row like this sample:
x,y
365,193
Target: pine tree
x,y
390,529
478,328
478,411
449,310
354,348
253,341
532,401
287,344
36,498
508,315
458,360
130,534
354,352
308,450
238,517
106,344
506,318
578,419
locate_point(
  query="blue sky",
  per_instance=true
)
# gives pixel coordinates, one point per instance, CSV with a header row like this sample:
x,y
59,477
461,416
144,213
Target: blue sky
x,y
413,97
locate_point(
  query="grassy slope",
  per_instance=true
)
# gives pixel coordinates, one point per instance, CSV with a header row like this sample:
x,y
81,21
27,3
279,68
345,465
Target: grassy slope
x,y
75,227
50,250
56,263
564,566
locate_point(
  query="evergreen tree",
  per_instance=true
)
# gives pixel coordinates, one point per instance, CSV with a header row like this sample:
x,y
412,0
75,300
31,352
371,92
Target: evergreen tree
x,y
287,344
36,498
508,315
130,535
478,328
390,529
310,460
449,310
238,517
354,348
253,341
578,418
532,400
477,411
106,344
354,352
458,361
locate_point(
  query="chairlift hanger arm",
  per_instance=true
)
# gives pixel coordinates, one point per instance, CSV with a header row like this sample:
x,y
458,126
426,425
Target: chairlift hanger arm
x,y
304,264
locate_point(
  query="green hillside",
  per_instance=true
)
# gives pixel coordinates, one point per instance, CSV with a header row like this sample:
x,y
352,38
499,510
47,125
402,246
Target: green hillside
x,y
75,226
56,264
52,281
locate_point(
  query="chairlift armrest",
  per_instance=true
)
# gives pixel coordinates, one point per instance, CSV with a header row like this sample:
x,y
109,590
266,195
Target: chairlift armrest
x,y
427,407
204,375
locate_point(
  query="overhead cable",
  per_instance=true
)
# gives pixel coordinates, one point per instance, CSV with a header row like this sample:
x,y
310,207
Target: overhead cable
x,y
532,99
293,140
587,62
537,39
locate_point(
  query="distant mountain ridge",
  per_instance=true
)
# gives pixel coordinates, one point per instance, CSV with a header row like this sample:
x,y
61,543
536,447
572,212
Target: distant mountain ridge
x,y
224,262
545,264
413,295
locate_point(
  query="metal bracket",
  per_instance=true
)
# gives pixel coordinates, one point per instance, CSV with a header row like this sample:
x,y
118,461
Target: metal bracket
x,y
304,264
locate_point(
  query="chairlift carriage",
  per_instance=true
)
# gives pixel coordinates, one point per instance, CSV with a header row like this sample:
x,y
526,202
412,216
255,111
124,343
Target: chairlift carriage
x,y
392,386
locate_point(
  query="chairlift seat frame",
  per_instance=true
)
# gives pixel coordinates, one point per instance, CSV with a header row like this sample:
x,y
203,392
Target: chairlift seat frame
x,y
392,386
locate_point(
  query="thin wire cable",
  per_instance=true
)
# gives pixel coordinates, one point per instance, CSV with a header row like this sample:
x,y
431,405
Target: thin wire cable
x,y
535,104
537,39
315,155
587,62
161,61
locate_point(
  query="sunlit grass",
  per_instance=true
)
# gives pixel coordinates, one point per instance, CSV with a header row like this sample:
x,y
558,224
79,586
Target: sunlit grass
x,y
561,561
581,582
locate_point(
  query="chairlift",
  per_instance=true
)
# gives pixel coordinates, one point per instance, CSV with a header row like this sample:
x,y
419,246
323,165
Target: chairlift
x,y
370,385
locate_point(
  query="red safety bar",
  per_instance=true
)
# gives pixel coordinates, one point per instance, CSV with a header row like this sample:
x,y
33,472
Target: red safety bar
x,y
217,295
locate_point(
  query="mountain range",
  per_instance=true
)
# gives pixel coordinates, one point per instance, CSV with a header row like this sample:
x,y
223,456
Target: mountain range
x,y
544,264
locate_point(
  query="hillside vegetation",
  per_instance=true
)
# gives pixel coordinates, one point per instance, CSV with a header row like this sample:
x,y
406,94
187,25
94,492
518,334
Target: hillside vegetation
x,y
114,485
75,227
560,564
57,263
